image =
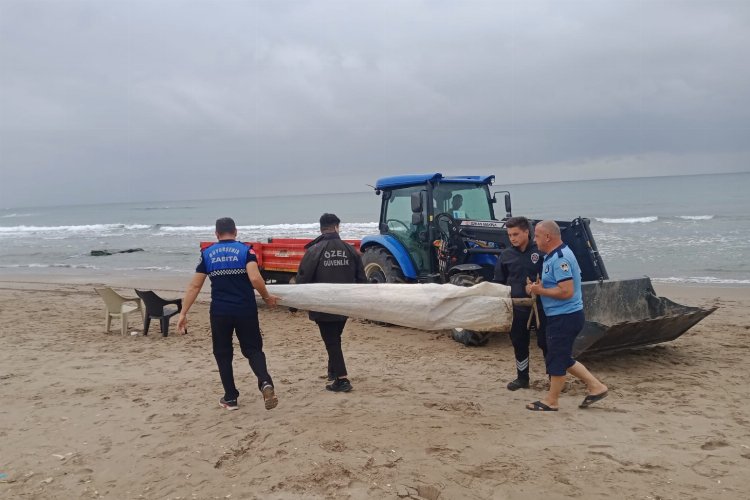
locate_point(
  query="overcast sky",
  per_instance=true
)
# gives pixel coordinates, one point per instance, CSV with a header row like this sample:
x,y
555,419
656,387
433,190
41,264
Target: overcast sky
x,y
140,100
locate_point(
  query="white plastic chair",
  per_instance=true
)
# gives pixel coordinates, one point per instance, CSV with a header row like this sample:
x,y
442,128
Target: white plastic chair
x,y
118,307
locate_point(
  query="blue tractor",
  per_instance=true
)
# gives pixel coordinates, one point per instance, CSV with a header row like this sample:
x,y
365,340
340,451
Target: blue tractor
x,y
443,229
438,229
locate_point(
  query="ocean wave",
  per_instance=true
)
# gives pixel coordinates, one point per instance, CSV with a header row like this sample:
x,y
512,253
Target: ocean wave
x,y
652,218
163,208
35,265
703,280
313,226
695,217
107,229
185,229
627,220
84,228
250,232
10,216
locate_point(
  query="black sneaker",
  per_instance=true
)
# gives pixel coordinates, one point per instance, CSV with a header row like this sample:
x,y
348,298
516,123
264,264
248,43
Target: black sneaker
x,y
228,405
519,383
269,396
340,385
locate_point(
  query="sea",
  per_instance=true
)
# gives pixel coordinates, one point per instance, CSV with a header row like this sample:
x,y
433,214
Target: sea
x,y
678,229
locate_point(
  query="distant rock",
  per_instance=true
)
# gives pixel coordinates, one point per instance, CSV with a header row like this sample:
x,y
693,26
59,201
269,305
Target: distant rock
x,y
99,253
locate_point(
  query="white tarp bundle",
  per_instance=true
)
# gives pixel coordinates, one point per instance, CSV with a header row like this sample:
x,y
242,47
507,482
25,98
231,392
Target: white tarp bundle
x,y
483,307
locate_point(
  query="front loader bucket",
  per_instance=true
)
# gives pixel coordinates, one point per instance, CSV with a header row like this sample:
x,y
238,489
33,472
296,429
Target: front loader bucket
x,y
628,313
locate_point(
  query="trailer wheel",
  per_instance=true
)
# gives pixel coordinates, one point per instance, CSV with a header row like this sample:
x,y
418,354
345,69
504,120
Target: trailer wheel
x,y
468,338
381,267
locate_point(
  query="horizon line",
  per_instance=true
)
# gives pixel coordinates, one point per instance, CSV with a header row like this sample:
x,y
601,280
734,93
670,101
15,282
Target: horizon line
x,y
261,196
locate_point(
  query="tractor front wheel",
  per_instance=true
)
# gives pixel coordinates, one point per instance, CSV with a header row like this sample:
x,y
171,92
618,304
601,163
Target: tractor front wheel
x,y
381,267
468,338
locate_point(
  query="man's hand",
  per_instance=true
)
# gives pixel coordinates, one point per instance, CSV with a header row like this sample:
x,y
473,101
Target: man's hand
x,y
533,287
271,300
182,324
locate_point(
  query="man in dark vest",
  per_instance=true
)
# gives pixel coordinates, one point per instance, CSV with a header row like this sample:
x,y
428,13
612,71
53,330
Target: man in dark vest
x,y
515,267
330,260
233,269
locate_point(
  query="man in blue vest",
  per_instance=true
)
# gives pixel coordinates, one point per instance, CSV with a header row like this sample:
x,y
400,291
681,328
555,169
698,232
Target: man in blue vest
x,y
562,299
233,269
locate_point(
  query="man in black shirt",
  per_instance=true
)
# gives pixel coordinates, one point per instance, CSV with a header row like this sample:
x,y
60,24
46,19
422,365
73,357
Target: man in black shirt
x,y
330,260
516,264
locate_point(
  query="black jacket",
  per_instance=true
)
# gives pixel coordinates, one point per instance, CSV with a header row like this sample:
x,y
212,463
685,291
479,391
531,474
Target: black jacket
x,y
514,266
330,260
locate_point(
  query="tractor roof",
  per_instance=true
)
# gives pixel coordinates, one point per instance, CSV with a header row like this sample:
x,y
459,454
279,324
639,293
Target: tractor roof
x,y
397,181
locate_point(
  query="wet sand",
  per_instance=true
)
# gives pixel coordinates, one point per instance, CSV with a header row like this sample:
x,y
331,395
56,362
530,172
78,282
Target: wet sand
x,y
86,414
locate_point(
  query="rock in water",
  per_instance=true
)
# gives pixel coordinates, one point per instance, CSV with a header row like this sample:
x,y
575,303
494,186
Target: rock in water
x,y
99,253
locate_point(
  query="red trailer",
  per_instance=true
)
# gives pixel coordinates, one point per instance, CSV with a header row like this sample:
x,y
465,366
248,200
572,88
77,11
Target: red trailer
x,y
279,258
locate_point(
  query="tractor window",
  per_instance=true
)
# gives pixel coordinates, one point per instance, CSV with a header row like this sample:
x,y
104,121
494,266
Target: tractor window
x,y
398,218
463,201
398,211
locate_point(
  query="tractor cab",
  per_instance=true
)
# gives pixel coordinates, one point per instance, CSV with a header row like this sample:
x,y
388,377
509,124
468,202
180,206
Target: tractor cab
x,y
418,212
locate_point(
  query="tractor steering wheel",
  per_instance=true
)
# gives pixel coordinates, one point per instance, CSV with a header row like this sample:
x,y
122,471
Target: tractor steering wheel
x,y
388,222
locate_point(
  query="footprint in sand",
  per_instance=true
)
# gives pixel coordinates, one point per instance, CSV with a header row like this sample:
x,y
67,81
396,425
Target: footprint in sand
x,y
443,451
106,445
708,467
430,492
714,444
333,446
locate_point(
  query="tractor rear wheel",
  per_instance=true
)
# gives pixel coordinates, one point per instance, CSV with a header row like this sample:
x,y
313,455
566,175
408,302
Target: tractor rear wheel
x,y
468,338
381,267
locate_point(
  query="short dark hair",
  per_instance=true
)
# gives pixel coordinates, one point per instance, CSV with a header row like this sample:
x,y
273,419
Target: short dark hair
x,y
521,223
225,225
329,221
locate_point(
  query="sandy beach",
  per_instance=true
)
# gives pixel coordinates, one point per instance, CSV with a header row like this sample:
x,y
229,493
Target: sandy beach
x,y
86,414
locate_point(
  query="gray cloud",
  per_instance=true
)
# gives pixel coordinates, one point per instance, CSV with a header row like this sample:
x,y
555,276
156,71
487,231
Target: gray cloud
x,y
114,100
